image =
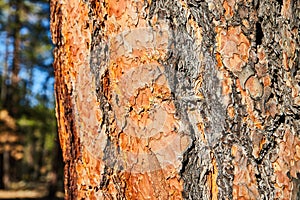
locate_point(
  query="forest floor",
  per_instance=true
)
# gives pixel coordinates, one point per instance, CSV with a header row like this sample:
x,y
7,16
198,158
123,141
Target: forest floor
x,y
29,190
28,194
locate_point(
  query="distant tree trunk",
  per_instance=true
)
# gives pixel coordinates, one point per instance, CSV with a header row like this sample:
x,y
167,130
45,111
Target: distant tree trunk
x,y
13,98
5,73
178,99
16,55
53,185
6,167
1,172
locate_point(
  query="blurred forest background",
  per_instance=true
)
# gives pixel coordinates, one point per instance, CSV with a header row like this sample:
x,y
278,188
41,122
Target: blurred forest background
x,y
30,159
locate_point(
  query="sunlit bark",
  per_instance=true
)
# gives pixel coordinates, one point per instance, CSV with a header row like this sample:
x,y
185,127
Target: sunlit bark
x,y
178,99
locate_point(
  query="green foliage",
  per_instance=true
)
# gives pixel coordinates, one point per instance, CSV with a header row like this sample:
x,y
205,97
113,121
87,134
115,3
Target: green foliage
x,y
38,128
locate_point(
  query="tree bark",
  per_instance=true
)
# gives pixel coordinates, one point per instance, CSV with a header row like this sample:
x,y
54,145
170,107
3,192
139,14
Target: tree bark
x,y
178,99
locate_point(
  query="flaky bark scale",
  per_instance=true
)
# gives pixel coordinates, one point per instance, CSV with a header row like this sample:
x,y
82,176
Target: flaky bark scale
x,y
178,99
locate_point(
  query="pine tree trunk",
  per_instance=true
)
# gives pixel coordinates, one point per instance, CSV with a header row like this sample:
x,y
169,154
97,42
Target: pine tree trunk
x,y
5,73
13,98
161,99
6,167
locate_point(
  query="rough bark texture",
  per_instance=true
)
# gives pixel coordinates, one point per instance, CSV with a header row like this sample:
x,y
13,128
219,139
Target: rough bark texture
x,y
178,99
